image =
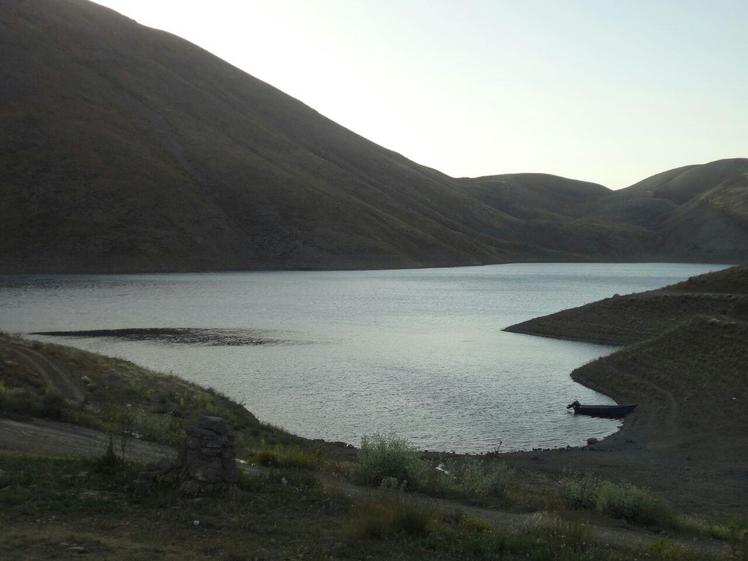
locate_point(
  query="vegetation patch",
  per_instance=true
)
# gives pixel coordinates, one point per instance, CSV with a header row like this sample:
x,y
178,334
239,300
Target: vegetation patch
x,y
618,500
384,458
287,457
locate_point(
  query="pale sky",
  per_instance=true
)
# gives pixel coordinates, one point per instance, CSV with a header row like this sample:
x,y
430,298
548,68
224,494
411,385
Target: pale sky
x,y
601,90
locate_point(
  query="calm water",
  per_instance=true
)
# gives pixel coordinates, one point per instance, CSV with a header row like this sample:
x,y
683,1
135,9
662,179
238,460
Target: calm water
x,y
417,352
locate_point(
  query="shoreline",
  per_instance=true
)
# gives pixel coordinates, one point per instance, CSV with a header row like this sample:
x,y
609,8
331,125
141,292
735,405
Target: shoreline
x,y
684,365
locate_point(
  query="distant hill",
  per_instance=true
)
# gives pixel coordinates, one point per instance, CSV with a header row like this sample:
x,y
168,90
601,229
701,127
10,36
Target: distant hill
x,y
698,212
124,148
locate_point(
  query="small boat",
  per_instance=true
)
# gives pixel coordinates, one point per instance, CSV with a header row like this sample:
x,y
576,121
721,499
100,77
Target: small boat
x,y
607,411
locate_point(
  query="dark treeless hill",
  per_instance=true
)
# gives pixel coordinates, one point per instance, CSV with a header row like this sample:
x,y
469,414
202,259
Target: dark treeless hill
x,y
123,148
632,318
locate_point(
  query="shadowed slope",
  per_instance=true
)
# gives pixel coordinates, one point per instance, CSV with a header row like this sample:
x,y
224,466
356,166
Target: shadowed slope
x,y
123,148
128,148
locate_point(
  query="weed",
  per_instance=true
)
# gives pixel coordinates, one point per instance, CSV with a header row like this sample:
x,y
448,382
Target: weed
x,y
633,504
618,500
287,457
564,534
276,479
666,551
389,456
472,524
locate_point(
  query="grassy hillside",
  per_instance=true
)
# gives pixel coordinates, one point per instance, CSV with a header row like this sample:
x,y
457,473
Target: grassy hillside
x,y
123,148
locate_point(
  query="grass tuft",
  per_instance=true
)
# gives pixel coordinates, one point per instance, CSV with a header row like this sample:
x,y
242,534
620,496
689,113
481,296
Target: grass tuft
x,y
287,457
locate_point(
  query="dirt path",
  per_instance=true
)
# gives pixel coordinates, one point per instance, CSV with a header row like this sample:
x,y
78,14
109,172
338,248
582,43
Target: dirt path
x,y
52,372
50,438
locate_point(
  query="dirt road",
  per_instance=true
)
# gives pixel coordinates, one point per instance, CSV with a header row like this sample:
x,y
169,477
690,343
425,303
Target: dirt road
x,y
50,371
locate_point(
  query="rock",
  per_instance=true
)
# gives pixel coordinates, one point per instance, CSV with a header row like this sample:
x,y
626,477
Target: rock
x,y
591,441
207,460
206,464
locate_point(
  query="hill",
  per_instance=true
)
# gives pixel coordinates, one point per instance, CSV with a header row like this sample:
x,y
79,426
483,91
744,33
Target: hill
x,y
698,212
124,148
623,320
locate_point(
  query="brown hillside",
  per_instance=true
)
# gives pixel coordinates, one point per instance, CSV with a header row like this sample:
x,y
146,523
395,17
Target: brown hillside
x,y
631,318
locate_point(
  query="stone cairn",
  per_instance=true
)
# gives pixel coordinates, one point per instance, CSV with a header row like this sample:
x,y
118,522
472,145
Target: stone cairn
x,y
208,459
206,464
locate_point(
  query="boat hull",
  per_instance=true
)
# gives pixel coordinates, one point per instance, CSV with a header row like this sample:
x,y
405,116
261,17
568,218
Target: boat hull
x,y
605,411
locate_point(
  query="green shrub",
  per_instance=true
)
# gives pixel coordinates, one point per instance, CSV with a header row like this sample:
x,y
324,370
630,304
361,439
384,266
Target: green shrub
x,y
287,457
389,456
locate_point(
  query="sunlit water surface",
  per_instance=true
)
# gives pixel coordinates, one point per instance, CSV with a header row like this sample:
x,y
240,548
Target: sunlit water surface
x,y
417,352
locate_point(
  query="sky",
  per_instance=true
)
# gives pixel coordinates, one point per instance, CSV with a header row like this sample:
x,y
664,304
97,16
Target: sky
x,y
601,90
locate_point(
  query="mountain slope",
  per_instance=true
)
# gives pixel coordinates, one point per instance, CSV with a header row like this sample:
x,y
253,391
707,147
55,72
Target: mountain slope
x,y
123,148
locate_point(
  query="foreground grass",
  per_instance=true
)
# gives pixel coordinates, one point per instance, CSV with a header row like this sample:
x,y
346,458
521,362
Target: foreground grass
x,y
399,521
63,509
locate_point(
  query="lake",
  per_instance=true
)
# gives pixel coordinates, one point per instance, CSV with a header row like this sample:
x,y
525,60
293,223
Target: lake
x,y
417,352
